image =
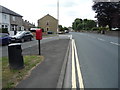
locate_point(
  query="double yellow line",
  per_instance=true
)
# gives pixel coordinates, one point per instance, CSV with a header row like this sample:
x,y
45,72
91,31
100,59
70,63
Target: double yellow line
x,y
76,67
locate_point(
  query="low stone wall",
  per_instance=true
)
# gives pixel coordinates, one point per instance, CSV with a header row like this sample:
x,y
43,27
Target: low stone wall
x,y
113,33
110,33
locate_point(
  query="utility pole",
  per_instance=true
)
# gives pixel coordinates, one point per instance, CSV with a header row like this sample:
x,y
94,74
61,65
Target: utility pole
x,y
58,16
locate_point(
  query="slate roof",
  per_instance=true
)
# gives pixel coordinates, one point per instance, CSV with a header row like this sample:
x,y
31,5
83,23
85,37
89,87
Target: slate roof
x,y
8,11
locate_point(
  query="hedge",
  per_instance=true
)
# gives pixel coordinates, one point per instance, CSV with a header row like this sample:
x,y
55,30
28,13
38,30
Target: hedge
x,y
100,29
3,30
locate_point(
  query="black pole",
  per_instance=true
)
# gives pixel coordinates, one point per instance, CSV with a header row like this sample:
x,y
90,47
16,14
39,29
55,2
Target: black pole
x,y
39,47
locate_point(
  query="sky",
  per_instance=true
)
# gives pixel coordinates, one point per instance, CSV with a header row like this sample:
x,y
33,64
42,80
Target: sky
x,y
69,10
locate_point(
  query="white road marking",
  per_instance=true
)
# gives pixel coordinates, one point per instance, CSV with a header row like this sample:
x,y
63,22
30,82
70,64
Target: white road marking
x,y
101,39
80,79
115,43
73,68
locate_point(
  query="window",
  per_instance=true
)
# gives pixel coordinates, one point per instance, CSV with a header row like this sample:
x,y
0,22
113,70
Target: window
x,y
13,18
47,23
47,29
5,16
2,26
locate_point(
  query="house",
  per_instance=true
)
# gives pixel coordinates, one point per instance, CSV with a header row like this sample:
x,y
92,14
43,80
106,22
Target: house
x,y
10,20
27,25
48,23
4,19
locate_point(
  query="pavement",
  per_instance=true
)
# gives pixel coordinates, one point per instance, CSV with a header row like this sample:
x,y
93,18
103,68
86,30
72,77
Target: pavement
x,y
46,74
4,49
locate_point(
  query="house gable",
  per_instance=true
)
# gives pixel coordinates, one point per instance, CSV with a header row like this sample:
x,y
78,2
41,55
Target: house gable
x,y
48,23
48,16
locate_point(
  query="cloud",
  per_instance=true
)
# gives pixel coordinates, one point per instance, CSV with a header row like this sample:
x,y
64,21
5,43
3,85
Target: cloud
x,y
69,10
68,4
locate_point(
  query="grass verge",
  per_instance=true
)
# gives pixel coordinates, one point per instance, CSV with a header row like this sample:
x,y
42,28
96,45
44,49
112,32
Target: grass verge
x,y
10,78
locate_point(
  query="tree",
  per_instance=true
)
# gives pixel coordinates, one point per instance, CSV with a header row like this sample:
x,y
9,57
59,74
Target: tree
x,y
79,26
89,24
105,11
65,28
75,24
85,24
60,28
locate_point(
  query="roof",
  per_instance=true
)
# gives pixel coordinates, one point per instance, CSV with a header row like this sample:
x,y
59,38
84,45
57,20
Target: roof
x,y
48,15
8,11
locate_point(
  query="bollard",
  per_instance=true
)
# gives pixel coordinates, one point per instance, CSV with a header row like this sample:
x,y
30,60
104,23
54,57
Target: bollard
x,y
15,56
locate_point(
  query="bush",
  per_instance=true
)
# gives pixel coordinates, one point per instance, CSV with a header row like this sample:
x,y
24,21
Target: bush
x,y
95,28
3,30
104,29
100,29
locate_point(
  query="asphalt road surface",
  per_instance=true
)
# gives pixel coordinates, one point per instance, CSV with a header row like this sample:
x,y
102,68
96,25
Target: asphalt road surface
x,y
4,49
98,58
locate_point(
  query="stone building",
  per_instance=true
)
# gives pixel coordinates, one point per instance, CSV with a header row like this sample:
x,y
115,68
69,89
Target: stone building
x,y
48,23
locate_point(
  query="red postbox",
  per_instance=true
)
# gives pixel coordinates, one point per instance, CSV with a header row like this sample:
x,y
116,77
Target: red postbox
x,y
38,34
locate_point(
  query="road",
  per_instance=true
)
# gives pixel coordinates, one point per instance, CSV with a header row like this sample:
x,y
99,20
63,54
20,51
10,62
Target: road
x,y
4,49
98,59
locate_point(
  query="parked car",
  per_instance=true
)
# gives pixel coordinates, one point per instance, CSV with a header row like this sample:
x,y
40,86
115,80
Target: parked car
x,y
61,32
22,36
5,39
117,29
50,32
66,31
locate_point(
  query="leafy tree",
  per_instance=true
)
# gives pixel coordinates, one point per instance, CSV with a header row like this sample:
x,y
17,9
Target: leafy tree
x,y
85,24
105,13
75,24
65,28
89,24
79,26
60,28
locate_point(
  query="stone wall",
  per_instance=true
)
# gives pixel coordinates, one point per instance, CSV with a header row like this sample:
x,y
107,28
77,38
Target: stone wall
x,y
113,33
110,33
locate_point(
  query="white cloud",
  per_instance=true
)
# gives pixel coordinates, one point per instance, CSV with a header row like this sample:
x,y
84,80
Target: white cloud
x,y
69,10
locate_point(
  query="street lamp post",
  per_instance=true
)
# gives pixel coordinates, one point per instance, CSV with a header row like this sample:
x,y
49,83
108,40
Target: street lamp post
x,y
58,16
